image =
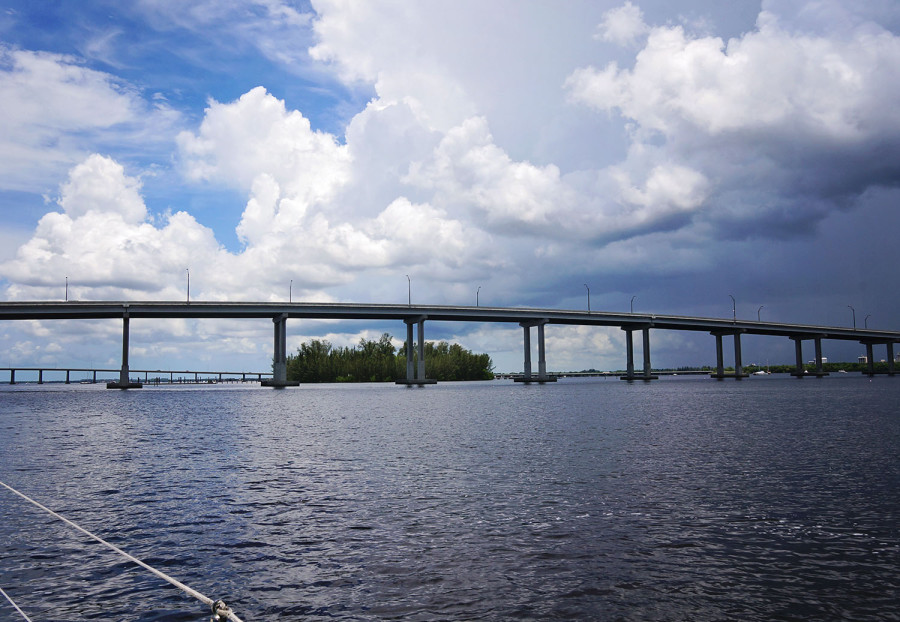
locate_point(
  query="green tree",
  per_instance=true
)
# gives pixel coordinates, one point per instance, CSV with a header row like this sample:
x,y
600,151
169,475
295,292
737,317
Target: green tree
x,y
378,361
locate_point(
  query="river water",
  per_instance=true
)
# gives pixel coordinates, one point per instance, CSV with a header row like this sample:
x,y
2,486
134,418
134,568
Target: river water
x,y
592,499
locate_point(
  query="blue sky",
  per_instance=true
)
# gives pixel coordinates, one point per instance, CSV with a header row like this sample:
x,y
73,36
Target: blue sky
x,y
678,153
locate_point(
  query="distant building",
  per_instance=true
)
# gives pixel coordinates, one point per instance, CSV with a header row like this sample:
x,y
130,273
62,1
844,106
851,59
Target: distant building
x,y
824,360
862,360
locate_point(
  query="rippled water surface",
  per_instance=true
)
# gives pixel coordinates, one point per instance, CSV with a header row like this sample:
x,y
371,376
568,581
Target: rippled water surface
x,y
681,499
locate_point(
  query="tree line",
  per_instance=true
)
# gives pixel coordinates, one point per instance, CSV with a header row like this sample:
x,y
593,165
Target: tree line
x,y
378,361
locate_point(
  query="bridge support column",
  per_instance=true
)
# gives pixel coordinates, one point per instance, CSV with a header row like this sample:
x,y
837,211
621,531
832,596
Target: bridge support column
x,y
798,357
542,375
629,347
415,374
67,377
720,365
870,357
542,353
646,344
421,331
800,370
40,376
410,353
12,376
124,381
279,358
720,359
629,354
820,370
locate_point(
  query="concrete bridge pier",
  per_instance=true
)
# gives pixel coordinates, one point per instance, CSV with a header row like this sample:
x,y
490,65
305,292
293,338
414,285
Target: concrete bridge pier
x,y
870,357
415,374
720,364
542,375
12,376
629,347
124,381
279,358
800,371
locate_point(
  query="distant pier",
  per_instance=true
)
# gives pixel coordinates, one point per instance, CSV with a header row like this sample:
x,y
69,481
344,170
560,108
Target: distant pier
x,y
90,375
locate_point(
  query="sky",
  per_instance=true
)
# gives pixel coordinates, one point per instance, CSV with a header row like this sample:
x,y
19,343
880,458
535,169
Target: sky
x,y
666,155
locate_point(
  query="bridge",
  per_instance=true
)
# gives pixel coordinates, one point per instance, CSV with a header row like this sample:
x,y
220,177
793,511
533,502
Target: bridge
x,y
159,376
416,315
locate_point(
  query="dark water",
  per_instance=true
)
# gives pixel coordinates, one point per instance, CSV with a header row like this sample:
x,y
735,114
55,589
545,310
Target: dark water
x,y
682,499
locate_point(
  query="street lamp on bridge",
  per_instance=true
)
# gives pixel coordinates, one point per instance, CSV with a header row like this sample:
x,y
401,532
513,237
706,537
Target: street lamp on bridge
x,y
854,316
757,312
476,295
733,309
588,296
632,303
408,291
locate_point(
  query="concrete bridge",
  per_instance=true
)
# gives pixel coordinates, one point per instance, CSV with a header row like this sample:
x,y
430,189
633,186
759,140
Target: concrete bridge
x,y
159,376
416,315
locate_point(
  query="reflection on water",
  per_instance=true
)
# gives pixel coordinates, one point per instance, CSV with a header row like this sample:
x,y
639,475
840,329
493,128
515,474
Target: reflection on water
x,y
684,498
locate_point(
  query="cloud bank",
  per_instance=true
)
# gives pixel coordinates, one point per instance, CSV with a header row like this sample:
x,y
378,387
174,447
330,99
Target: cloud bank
x,y
761,138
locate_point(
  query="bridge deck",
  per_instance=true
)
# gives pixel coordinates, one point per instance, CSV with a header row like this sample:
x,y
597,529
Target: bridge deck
x,y
353,311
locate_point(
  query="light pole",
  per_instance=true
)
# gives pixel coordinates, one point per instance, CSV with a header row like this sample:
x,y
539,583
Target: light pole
x,y
632,303
866,321
67,289
733,309
291,291
854,316
188,285
757,312
588,296
408,291
476,295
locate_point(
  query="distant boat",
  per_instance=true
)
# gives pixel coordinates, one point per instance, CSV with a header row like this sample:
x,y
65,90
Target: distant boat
x,y
761,372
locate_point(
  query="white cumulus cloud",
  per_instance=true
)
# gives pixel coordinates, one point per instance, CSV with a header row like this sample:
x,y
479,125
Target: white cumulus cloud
x,y
623,25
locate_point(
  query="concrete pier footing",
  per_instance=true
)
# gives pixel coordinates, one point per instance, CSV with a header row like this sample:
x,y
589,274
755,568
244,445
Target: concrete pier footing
x,y
527,376
870,358
800,370
124,381
415,374
720,364
647,374
279,366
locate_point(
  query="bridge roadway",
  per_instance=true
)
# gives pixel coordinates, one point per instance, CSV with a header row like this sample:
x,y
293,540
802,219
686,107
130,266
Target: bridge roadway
x,y
181,376
412,315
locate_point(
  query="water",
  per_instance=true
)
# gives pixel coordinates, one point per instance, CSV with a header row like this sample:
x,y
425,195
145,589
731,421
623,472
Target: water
x,y
682,499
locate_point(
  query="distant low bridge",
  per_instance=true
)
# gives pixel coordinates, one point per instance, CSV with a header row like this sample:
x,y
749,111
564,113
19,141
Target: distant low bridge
x,y
416,315
157,376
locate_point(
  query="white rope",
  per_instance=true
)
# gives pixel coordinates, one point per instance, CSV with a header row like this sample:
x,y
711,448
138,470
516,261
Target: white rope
x,y
11,602
219,609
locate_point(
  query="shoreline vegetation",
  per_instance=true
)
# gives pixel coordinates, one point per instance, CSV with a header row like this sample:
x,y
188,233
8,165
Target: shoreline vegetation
x,y
378,361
